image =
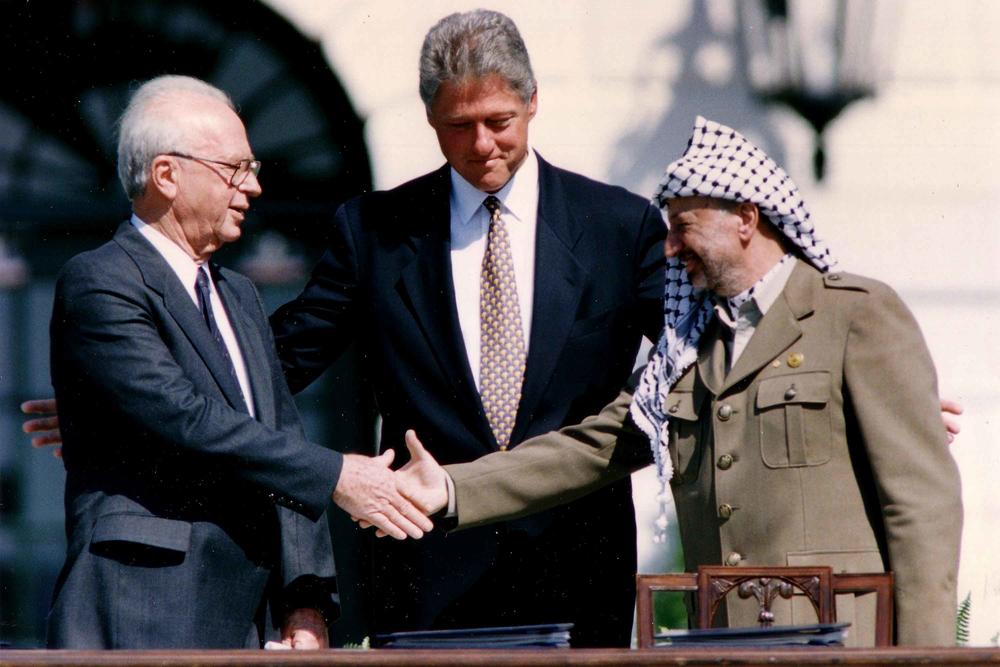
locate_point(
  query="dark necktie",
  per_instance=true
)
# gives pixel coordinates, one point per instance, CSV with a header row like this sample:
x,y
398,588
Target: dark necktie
x,y
502,352
204,292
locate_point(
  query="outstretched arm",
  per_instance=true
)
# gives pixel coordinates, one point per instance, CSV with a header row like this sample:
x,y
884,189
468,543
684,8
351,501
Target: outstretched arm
x,y
550,469
542,472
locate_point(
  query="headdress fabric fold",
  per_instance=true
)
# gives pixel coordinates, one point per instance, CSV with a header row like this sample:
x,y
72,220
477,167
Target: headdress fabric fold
x,y
719,162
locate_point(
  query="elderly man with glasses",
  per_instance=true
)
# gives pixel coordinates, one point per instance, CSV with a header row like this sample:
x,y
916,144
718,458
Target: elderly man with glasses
x,y
194,503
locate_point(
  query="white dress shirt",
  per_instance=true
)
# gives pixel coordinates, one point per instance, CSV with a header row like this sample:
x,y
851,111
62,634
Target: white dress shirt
x,y
186,270
470,224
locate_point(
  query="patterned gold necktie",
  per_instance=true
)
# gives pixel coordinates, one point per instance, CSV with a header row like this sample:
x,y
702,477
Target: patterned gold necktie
x,y
502,354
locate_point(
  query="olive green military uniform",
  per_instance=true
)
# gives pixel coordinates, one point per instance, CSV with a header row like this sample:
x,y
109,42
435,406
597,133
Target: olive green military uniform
x,y
822,446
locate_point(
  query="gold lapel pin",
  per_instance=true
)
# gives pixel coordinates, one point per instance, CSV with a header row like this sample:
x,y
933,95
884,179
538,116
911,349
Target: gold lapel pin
x,y
795,359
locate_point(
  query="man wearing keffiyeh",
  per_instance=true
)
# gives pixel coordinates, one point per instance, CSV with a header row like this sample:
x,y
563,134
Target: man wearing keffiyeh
x,y
793,409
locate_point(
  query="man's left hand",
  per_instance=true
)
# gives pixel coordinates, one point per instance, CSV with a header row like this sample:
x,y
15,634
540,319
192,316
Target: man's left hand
x,y
304,629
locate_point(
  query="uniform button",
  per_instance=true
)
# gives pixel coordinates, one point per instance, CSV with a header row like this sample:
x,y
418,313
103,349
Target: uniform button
x,y
725,412
790,393
674,408
733,559
725,462
834,276
726,511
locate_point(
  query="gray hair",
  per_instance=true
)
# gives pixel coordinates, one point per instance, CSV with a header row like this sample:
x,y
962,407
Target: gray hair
x,y
474,45
143,134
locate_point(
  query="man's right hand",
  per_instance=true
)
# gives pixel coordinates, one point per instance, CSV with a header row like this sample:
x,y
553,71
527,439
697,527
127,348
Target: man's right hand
x,y
367,491
422,479
46,428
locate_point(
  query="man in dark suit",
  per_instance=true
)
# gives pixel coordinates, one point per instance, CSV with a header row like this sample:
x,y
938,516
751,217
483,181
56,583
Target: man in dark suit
x,y
483,326
194,503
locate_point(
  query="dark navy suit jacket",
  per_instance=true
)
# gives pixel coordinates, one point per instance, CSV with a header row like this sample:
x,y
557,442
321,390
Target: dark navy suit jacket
x,y
185,517
386,283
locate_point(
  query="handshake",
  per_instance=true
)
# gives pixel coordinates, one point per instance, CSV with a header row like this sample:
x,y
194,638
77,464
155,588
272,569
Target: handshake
x,y
395,503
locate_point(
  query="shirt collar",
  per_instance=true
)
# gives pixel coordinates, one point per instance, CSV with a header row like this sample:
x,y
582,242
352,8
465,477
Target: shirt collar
x,y
178,260
516,195
758,297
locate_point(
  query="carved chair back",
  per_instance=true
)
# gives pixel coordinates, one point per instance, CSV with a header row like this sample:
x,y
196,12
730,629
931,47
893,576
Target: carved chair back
x,y
711,584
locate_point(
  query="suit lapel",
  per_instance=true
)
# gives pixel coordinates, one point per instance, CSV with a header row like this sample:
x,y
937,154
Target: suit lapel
x,y
780,326
251,346
559,279
429,290
162,280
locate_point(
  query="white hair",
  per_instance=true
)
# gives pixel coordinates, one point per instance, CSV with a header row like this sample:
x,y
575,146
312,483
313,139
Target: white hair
x,y
142,134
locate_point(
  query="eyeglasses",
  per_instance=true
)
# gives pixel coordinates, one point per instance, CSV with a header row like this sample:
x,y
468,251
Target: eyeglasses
x,y
241,169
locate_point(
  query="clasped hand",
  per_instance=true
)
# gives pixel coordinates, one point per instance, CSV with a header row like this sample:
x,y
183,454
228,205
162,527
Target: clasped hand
x,y
422,481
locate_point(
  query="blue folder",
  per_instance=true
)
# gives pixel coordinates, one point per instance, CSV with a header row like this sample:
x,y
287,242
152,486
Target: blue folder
x,y
549,635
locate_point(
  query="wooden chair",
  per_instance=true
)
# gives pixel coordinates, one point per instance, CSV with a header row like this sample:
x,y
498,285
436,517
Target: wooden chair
x,y
712,584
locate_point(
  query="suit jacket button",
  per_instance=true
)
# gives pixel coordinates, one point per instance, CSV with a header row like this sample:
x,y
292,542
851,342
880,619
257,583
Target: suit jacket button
x,y
725,412
725,462
790,393
733,559
726,511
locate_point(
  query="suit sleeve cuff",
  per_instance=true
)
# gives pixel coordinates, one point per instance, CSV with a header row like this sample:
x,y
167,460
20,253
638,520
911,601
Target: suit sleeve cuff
x,y
452,511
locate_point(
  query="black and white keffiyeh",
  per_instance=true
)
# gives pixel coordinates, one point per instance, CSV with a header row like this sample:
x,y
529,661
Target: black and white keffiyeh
x,y
719,162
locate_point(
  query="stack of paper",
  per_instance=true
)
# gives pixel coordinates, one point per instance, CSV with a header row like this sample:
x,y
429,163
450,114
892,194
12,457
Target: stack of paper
x,y
823,634
552,635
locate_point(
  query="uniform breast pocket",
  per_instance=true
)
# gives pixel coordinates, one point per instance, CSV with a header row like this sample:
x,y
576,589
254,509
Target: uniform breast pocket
x,y
794,420
685,435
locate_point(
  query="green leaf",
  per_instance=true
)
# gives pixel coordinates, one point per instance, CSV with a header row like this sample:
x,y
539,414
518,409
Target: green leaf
x,y
962,621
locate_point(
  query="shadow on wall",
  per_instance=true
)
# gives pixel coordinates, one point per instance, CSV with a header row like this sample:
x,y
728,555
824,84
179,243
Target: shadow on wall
x,y
705,55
